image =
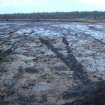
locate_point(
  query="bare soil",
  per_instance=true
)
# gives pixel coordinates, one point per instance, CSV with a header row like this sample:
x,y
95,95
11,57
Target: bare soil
x,y
52,63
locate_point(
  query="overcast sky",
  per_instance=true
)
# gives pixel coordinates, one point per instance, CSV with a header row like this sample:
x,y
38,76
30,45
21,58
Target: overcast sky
x,y
27,6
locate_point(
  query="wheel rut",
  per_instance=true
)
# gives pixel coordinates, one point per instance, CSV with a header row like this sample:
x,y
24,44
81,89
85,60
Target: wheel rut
x,y
70,60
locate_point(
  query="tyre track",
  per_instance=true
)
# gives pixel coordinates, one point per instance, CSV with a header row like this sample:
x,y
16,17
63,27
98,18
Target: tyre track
x,y
70,60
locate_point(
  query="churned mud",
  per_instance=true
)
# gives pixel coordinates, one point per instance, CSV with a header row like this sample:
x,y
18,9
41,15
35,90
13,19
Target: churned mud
x,y
52,63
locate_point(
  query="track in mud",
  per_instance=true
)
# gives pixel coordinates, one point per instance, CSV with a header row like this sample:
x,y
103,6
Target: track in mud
x,y
70,60
50,63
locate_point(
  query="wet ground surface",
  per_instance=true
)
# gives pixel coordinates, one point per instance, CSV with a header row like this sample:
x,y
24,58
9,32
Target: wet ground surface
x,y
49,63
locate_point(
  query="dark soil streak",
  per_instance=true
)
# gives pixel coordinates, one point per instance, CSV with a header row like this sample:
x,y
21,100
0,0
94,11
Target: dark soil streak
x,y
79,72
91,94
70,61
88,35
97,40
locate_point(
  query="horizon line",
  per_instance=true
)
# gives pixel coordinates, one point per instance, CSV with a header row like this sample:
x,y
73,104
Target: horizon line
x,y
48,12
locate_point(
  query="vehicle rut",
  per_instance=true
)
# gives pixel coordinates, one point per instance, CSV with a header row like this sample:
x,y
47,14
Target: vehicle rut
x,y
70,60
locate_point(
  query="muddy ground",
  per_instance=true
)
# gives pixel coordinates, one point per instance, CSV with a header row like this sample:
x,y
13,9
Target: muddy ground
x,y
50,63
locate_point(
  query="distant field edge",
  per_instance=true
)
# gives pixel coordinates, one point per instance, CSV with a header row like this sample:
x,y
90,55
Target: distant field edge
x,y
57,20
